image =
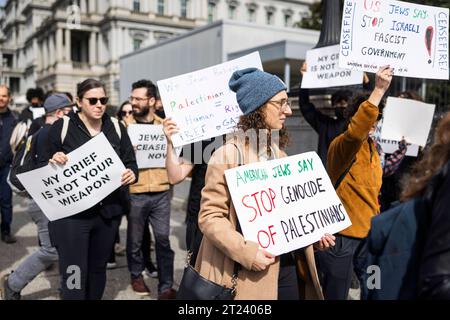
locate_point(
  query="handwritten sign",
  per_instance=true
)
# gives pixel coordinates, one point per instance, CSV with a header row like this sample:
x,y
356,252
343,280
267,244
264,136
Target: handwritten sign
x,y
93,172
390,146
150,144
411,38
407,118
287,203
201,102
324,72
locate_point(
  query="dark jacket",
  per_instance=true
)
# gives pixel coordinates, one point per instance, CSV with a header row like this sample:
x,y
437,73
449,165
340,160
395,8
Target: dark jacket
x,y
434,276
7,123
327,127
77,134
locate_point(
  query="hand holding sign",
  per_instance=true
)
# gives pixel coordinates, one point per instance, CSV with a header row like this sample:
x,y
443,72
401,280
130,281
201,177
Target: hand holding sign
x,y
383,80
128,177
263,259
170,128
59,158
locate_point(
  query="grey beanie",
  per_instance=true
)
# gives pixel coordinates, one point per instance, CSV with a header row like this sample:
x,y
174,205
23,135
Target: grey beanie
x,y
254,88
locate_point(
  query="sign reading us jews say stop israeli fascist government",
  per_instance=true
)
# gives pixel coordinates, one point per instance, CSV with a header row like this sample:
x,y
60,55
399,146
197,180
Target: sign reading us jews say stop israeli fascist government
x,y
411,38
287,203
323,70
93,172
201,102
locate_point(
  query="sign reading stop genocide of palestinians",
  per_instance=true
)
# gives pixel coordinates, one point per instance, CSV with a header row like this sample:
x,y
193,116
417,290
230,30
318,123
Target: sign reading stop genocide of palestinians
x,y
287,203
324,72
411,38
201,103
92,172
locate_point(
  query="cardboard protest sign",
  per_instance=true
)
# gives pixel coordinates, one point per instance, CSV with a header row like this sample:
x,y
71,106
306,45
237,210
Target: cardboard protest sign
x,y
201,102
93,172
407,118
411,38
150,144
390,146
324,72
287,203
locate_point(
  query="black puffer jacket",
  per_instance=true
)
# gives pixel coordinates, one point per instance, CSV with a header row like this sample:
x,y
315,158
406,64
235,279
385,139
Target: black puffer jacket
x,y
7,124
77,134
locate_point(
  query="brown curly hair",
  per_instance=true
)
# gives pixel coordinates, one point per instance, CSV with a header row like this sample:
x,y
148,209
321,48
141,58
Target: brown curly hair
x,y
257,120
435,157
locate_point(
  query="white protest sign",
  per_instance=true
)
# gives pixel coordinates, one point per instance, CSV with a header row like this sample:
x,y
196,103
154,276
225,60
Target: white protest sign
x,y
150,144
411,38
407,118
201,102
390,146
37,112
323,70
287,203
93,172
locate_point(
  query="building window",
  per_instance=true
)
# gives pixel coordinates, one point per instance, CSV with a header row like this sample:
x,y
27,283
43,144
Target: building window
x,y
269,17
184,8
161,5
136,5
287,20
251,15
137,43
231,12
211,11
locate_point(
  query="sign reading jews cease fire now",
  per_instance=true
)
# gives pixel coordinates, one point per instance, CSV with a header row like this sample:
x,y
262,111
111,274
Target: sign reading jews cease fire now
x,y
324,72
93,172
407,118
287,203
150,144
201,102
411,38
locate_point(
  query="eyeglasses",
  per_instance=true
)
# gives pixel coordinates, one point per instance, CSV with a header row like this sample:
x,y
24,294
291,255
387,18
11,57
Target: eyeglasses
x,y
282,105
93,101
131,99
126,113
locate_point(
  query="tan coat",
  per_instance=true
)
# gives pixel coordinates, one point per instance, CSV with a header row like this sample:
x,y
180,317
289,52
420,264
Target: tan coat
x,y
151,179
222,244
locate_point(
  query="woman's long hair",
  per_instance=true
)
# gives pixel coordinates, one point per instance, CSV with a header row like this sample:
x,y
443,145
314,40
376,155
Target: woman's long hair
x,y
256,120
435,157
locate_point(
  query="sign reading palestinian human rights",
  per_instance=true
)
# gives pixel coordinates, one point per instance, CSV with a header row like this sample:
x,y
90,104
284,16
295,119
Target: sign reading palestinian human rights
x,y
201,102
411,38
391,146
92,172
150,144
323,70
407,118
287,203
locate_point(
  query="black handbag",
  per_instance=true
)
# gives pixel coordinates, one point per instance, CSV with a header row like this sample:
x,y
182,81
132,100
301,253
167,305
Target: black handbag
x,y
195,287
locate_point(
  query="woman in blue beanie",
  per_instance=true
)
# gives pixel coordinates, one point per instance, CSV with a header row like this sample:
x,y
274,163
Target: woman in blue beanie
x,y
264,102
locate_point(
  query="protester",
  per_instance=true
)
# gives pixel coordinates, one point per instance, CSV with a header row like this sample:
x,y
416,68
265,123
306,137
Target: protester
x,y
56,106
434,270
150,202
354,152
7,124
85,239
263,100
35,97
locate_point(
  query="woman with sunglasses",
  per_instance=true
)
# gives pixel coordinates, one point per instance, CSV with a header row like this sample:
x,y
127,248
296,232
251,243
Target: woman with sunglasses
x,y
263,99
84,240
125,112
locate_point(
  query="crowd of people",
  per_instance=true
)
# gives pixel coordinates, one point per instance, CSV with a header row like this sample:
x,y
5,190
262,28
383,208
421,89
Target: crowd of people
x,y
355,162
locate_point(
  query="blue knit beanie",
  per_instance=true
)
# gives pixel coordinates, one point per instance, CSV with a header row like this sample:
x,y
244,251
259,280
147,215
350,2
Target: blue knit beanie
x,y
254,88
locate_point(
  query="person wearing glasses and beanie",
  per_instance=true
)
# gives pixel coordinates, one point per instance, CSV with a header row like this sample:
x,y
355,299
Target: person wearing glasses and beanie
x,y
85,239
264,102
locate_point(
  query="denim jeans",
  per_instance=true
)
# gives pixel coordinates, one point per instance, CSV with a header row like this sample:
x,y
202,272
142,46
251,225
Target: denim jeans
x,y
40,259
5,201
155,208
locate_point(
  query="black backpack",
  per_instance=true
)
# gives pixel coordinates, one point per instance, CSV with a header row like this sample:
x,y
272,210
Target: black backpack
x,y
25,159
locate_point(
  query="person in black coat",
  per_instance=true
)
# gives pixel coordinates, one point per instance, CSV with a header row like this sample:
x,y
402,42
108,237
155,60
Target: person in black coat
x,y
434,269
84,240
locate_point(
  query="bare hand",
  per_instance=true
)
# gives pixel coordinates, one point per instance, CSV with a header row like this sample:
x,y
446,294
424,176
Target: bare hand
x,y
170,128
383,78
262,260
128,177
325,242
303,68
59,158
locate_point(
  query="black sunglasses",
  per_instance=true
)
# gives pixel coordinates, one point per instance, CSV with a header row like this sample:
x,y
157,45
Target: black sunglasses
x,y
93,101
125,113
